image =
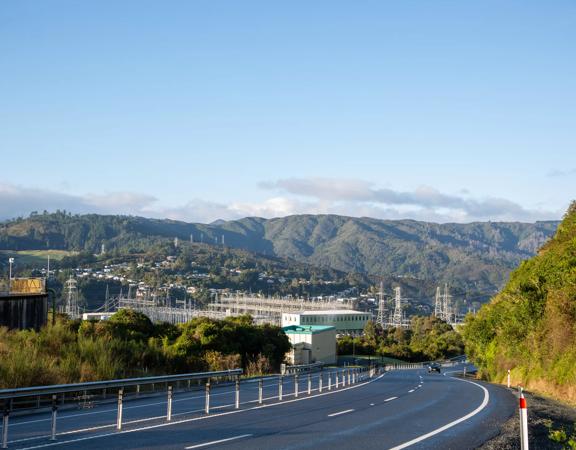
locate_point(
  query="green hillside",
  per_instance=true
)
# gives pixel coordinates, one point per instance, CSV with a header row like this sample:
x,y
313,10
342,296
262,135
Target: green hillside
x,y
530,327
475,258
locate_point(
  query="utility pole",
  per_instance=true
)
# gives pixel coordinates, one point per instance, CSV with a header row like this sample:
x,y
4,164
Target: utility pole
x,y
10,262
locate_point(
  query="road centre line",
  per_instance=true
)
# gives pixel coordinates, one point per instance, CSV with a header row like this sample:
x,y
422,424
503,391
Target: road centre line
x,y
206,444
453,423
390,399
410,391
341,412
195,419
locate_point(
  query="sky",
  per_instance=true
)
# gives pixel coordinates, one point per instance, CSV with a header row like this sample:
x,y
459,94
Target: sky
x,y
445,111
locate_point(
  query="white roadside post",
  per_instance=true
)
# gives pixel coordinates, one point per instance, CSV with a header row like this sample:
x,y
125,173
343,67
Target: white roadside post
x,y
169,405
320,382
309,384
237,392
207,401
508,381
5,419
523,422
296,385
54,415
119,415
280,383
329,381
260,388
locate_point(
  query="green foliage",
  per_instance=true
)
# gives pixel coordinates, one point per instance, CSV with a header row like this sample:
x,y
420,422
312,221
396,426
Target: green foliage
x,y
561,436
529,327
130,345
428,338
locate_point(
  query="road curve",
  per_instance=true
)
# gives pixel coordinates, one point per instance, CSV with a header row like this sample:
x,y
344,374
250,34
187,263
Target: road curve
x,y
401,409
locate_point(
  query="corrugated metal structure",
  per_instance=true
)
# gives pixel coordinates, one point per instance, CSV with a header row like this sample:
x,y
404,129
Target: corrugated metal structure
x,y
23,303
23,311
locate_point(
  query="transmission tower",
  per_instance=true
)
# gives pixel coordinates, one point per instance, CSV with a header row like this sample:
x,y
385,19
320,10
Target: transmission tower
x,y
438,310
381,318
71,307
397,316
446,304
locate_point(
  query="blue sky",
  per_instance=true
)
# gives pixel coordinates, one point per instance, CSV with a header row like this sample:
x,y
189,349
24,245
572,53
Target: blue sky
x,y
198,110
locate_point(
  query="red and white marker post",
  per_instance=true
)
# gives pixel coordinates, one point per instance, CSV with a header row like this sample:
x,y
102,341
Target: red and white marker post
x,y
523,422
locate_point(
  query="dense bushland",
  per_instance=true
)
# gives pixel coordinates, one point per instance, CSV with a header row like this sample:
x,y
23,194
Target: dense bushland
x,y
530,326
129,344
429,338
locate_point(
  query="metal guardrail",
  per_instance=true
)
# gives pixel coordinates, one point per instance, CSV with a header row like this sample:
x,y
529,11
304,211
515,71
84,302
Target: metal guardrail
x,y
9,395
94,385
299,368
326,381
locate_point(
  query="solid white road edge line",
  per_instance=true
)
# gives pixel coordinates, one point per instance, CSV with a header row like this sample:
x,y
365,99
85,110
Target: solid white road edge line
x,y
195,419
451,424
206,444
340,413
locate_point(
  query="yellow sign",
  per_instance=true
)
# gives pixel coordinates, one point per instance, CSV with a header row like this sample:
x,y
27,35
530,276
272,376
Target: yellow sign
x,y
27,286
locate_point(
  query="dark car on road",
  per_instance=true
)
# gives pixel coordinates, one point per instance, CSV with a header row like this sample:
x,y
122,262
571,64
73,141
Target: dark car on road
x,y
434,367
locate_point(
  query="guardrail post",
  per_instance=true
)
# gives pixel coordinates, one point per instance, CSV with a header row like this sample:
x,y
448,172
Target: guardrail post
x,y
280,387
169,405
119,416
207,403
295,385
5,418
237,383
309,384
54,416
260,383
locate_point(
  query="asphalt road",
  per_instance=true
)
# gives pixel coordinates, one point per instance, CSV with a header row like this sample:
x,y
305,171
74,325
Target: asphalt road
x,y
401,409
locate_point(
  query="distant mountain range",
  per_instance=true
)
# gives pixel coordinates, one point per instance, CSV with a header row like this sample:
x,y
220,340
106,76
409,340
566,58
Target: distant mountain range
x,y
476,257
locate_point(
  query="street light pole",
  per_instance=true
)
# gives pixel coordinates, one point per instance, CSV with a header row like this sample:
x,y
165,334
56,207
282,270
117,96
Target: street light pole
x,y
10,262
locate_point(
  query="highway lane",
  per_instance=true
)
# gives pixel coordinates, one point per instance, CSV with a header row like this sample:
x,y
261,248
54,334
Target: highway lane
x,y
137,411
398,410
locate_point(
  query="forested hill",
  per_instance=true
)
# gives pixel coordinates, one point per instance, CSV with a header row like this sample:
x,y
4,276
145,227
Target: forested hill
x,y
529,327
481,254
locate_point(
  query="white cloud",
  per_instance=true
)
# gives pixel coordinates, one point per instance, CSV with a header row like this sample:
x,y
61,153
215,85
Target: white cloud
x,y
297,196
556,173
424,203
